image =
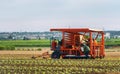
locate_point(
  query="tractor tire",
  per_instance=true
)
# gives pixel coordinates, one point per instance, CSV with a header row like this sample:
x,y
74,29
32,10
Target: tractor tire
x,y
55,55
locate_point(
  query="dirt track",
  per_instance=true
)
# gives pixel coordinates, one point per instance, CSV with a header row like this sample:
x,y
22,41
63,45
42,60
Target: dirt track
x,y
37,53
25,54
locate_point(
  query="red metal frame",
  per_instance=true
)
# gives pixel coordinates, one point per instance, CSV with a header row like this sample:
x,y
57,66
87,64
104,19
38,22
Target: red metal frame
x,y
70,36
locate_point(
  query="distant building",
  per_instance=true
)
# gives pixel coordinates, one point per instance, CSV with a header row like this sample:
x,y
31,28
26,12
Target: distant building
x,y
117,36
107,35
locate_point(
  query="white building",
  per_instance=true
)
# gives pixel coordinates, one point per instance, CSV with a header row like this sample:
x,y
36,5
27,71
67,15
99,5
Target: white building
x,y
107,35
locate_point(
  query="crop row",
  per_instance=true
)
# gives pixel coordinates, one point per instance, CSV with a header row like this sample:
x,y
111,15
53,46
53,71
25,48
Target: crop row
x,y
61,66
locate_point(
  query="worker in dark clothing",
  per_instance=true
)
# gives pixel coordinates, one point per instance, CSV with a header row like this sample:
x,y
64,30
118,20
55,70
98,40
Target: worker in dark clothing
x,y
54,44
56,50
61,42
86,50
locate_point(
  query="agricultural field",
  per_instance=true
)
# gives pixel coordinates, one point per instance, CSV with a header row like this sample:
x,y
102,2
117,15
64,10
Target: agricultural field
x,y
20,62
22,43
61,66
112,42
12,44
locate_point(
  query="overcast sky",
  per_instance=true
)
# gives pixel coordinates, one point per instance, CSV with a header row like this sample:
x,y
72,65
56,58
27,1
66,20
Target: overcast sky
x,y
41,15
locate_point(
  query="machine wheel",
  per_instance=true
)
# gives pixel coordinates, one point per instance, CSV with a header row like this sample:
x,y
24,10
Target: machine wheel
x,y
55,55
101,57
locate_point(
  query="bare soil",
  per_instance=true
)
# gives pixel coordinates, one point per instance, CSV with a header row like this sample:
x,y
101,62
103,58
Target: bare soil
x,y
112,52
25,52
7,54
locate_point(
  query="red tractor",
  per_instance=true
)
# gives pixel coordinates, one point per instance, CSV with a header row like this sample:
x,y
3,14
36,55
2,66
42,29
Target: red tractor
x,y
76,41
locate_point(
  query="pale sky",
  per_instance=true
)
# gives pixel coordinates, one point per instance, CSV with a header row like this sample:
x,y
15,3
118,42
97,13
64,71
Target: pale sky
x,y
41,15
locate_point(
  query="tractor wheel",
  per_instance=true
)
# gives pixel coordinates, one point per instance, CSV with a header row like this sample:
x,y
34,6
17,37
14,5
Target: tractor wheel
x,y
101,57
55,55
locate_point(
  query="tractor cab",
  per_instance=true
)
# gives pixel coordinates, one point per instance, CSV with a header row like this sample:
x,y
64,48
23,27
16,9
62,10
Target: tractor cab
x,y
75,41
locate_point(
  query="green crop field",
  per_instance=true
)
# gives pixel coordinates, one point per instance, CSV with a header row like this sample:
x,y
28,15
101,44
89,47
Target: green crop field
x,y
25,42
11,44
112,42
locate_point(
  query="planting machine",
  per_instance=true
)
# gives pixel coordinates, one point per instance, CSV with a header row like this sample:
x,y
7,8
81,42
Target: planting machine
x,y
73,38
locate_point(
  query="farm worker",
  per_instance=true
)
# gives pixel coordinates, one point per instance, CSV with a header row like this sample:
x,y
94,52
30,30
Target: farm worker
x,y
82,39
61,42
88,42
86,50
58,45
54,44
